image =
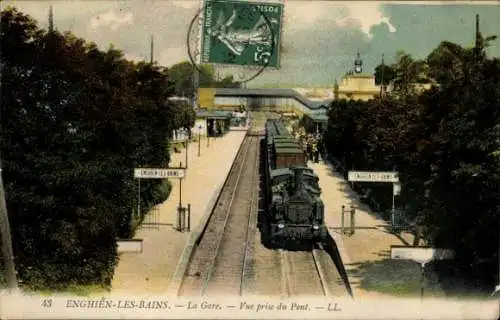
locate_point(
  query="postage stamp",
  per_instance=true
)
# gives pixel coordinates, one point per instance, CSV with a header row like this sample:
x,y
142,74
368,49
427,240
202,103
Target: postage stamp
x,y
237,33
249,159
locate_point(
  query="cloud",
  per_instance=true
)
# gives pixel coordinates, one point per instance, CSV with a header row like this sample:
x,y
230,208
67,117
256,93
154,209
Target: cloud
x,y
362,15
186,4
111,19
172,55
366,15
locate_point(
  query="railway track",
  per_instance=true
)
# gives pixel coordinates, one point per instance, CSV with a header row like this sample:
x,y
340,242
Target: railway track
x,y
220,262
310,273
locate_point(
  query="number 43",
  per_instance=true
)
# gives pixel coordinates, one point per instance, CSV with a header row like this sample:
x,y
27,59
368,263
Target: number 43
x,y
47,303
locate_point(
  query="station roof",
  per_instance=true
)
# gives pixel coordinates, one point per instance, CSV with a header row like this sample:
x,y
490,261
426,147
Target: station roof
x,y
271,92
214,114
318,117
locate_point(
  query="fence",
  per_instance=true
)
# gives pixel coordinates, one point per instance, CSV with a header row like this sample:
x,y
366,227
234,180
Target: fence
x,y
399,222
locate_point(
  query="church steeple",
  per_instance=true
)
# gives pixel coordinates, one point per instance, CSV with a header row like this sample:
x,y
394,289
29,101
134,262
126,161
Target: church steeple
x,y
358,64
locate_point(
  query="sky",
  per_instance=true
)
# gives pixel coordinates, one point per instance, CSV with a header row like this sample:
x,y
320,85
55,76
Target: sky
x,y
320,38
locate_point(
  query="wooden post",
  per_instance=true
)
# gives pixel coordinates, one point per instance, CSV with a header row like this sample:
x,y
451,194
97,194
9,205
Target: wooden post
x,y
187,146
180,188
139,197
179,219
342,219
182,219
189,217
353,224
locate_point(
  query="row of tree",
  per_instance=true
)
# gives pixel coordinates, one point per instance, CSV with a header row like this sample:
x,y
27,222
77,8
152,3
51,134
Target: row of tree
x,y
444,142
75,122
182,75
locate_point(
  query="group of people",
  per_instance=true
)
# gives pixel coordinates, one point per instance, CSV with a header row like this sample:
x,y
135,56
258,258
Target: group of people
x,y
313,145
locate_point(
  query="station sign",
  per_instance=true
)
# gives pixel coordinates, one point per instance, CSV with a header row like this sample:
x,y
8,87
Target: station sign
x,y
150,173
422,255
373,176
129,245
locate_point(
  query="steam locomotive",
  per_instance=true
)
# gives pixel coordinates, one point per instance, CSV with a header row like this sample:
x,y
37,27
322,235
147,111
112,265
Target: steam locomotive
x,y
294,209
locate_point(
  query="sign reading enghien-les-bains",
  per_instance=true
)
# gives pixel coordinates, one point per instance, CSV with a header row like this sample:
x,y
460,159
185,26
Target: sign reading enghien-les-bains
x,y
241,33
150,173
372,176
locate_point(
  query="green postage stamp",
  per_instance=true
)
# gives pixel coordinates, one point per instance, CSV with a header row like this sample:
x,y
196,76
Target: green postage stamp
x,y
242,33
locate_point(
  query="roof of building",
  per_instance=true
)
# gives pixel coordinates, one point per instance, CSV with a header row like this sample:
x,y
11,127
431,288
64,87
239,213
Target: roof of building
x,y
359,75
320,117
270,92
213,114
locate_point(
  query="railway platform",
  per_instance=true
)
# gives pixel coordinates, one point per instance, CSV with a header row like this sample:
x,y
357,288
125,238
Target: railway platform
x,y
150,272
366,253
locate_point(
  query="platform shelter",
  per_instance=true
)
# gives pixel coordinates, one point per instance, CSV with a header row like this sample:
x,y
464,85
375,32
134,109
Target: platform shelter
x,y
213,123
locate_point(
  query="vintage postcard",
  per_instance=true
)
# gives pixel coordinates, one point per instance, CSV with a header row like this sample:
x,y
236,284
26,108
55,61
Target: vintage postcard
x,y
250,159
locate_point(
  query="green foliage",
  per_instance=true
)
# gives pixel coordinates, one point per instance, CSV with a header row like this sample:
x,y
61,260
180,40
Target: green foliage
x,y
77,121
182,76
384,73
444,142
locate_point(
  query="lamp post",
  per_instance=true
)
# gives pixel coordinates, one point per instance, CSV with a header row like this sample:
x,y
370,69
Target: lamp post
x,y
186,144
208,137
199,140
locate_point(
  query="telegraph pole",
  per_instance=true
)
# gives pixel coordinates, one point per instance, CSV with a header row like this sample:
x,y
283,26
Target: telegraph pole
x,y
478,45
478,34
51,20
151,54
382,89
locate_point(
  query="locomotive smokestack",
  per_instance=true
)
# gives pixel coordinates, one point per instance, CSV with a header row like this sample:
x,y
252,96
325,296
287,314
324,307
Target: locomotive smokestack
x,y
298,179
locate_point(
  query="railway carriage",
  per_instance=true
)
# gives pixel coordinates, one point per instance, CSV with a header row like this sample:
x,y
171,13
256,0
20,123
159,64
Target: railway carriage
x,y
294,210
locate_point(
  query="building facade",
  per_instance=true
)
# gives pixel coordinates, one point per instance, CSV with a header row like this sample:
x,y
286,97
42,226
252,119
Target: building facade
x,y
356,85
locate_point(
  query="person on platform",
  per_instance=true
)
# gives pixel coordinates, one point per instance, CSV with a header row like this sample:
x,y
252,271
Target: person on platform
x,y
308,150
315,152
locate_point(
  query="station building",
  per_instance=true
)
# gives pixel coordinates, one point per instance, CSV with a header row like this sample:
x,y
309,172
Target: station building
x,y
355,85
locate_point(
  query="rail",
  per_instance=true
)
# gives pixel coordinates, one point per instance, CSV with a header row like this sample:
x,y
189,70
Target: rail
x,y
197,234
319,269
226,213
252,221
204,259
291,273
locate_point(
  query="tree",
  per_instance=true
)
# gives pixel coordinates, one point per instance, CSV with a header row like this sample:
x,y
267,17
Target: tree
x,y
78,120
385,71
182,76
444,143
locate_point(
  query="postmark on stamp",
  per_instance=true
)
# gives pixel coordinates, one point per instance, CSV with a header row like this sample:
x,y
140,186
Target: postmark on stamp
x,y
240,34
